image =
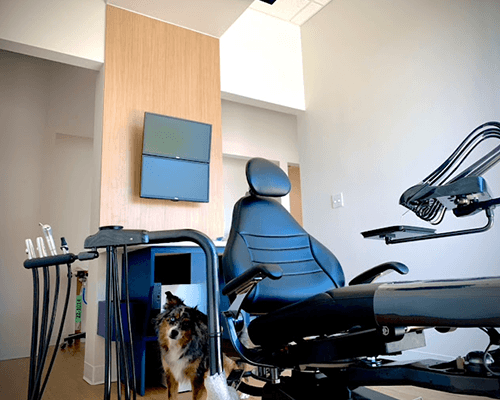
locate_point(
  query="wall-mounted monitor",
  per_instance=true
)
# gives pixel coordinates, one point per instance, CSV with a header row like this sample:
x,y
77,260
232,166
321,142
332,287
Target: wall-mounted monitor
x,y
175,159
176,138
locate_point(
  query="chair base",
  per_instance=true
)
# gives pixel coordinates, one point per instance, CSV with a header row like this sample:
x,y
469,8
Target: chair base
x,y
329,383
295,388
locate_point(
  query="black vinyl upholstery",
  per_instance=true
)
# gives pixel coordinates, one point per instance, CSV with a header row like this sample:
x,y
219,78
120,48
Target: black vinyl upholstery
x,y
325,313
264,232
266,178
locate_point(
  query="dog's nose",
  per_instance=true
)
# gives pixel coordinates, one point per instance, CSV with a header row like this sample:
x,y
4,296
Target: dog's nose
x,y
174,333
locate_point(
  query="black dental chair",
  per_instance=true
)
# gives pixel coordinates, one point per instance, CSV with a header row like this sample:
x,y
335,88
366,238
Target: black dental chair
x,y
291,309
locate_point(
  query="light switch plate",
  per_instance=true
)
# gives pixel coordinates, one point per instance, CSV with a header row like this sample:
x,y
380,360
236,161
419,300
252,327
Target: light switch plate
x,y
338,200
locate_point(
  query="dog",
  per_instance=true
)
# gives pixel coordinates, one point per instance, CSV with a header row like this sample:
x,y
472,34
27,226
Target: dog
x,y
183,339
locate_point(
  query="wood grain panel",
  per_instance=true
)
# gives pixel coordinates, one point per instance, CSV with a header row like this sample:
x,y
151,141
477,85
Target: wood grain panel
x,y
160,68
295,193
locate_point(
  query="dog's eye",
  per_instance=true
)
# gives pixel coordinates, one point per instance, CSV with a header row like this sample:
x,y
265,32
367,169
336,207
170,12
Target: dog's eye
x,y
172,319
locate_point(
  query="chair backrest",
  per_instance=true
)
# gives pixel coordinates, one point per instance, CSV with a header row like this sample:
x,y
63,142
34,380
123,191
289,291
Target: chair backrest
x,y
264,232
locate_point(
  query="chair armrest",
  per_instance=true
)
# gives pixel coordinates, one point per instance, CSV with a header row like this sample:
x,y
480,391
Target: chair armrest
x,y
250,277
376,272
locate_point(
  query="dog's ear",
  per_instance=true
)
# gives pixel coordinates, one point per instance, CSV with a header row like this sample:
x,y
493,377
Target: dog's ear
x,y
172,300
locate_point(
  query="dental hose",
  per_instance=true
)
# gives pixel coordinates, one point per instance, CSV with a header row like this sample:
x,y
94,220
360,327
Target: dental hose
x,y
127,310
61,327
44,334
124,348
34,331
42,331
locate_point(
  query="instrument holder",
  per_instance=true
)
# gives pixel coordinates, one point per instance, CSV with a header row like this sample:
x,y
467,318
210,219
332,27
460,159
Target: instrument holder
x,y
464,193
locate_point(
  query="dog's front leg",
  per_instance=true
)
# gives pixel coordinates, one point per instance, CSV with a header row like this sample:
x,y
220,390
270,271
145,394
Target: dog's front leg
x,y
198,386
173,387
172,384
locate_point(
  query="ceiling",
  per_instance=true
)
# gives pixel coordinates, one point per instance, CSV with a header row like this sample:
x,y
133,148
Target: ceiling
x,y
211,17
295,11
214,17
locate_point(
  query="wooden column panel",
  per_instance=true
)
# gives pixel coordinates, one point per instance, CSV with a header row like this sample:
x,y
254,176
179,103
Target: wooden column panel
x,y
164,69
295,193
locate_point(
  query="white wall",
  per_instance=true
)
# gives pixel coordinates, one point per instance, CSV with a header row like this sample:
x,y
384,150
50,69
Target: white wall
x,y
68,31
94,346
235,186
22,112
261,60
46,164
247,132
392,87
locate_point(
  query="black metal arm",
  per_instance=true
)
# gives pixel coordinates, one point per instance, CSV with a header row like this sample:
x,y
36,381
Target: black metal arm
x,y
241,283
60,259
376,272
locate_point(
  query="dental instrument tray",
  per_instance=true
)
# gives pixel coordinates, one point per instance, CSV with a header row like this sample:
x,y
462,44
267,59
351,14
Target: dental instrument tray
x,y
397,232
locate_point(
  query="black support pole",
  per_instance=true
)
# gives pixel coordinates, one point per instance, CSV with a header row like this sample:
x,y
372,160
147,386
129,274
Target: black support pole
x,y
107,350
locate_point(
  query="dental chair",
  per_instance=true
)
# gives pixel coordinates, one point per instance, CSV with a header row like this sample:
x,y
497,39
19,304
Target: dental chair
x,y
290,306
291,309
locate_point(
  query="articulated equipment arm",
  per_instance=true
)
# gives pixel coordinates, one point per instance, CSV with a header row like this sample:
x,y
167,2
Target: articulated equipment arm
x,y
463,192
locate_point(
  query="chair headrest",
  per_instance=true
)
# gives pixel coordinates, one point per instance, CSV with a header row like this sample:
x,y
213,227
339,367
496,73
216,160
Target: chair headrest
x,y
266,178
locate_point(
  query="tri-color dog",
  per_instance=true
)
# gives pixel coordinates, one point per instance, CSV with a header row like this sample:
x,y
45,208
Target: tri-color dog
x,y
183,339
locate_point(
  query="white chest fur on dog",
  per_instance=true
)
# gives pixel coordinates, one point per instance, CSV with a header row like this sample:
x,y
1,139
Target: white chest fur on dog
x,y
176,362
193,295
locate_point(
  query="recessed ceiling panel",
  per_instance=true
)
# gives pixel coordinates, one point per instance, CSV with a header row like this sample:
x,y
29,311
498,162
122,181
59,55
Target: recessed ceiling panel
x,y
294,11
281,9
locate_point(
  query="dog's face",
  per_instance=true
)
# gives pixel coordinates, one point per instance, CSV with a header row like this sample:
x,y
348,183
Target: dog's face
x,y
179,324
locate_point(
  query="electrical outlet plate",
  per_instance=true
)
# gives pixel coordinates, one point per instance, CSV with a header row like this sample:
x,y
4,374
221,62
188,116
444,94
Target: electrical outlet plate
x,y
338,200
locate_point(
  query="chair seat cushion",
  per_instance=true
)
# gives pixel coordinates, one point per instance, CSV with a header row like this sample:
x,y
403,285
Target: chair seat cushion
x,y
327,313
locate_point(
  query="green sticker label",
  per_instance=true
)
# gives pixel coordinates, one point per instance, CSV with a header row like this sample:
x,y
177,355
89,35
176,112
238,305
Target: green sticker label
x,y
78,317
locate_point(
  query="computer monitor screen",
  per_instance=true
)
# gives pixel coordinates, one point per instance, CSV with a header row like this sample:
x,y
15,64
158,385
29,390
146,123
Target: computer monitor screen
x,y
174,179
176,138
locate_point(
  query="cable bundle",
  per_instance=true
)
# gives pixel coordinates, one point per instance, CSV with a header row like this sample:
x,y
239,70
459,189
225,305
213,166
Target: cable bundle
x,y
115,324
432,210
118,327
42,330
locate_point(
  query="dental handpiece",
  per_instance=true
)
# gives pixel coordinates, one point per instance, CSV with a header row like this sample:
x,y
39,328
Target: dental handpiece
x,y
47,232
40,246
30,249
64,246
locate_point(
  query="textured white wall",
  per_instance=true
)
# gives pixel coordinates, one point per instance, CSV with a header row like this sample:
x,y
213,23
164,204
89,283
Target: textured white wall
x,y
69,31
392,87
45,174
261,60
23,93
249,131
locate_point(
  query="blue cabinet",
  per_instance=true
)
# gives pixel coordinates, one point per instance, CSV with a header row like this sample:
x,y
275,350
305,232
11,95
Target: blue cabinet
x,y
148,269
